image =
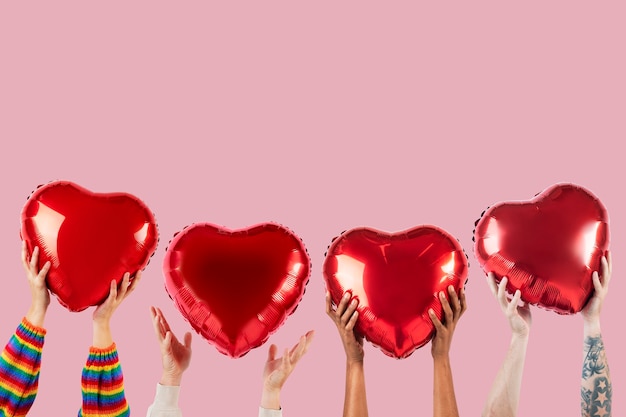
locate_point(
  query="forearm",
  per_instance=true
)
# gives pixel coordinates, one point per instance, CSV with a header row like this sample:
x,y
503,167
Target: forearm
x,y
355,402
36,315
102,337
20,364
596,390
504,396
444,400
270,399
103,384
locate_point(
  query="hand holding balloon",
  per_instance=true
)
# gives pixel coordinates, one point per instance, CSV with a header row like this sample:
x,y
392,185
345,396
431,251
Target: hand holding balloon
x,y
277,370
519,317
345,317
102,337
175,356
40,296
452,313
591,311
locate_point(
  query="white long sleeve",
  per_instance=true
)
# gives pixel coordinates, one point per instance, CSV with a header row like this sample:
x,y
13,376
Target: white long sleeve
x,y
165,402
264,412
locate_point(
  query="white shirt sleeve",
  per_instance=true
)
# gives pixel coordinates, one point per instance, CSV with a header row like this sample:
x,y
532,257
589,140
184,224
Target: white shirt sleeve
x,y
165,402
264,412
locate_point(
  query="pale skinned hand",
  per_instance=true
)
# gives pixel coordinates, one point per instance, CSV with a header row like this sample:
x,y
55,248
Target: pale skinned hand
x,y
591,311
175,356
40,296
104,312
277,370
519,317
452,312
345,318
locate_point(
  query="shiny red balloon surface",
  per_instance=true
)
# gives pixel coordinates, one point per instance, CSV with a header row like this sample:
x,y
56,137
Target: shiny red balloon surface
x,y
236,287
396,278
89,238
548,247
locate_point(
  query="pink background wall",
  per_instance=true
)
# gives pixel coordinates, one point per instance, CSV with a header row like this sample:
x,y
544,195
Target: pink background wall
x,y
322,116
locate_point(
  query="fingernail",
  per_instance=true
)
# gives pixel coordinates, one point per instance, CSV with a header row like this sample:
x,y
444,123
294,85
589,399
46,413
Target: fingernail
x,y
353,302
346,295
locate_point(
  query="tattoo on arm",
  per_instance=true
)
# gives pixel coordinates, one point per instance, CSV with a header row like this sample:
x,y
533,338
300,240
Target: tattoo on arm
x,y
596,401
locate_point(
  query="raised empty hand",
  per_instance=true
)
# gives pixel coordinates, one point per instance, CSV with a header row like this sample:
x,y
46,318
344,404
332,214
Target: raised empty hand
x,y
175,356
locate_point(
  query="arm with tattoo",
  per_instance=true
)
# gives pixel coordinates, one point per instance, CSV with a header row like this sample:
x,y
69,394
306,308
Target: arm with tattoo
x,y
596,392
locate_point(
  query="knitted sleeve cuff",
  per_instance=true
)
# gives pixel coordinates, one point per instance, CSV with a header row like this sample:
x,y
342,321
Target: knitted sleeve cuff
x,y
102,357
30,334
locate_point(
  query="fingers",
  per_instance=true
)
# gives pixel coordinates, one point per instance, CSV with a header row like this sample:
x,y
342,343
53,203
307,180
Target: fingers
x,y
41,276
463,301
609,259
447,310
271,353
112,291
511,308
504,303
606,271
134,282
436,322
167,342
34,260
25,255
298,350
455,302
286,360
597,285
329,306
187,340
491,280
124,286
353,319
158,330
343,304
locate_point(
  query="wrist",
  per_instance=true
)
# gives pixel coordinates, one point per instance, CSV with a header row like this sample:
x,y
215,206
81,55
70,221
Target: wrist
x,y
441,356
36,315
592,327
270,398
171,379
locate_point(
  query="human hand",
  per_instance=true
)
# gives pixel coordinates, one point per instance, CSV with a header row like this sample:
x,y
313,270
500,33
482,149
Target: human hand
x,y
104,312
277,370
519,317
440,346
345,317
40,296
175,356
591,311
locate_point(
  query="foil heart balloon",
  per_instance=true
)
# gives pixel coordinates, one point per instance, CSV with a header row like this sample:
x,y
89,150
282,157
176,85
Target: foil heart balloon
x,y
236,287
396,278
548,247
89,238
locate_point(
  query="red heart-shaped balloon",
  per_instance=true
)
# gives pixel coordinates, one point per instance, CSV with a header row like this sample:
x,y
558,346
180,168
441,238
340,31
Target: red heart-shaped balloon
x,y
396,278
89,238
236,287
548,247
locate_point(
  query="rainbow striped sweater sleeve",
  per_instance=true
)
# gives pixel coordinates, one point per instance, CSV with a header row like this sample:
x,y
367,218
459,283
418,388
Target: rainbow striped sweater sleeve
x,y
103,385
19,369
